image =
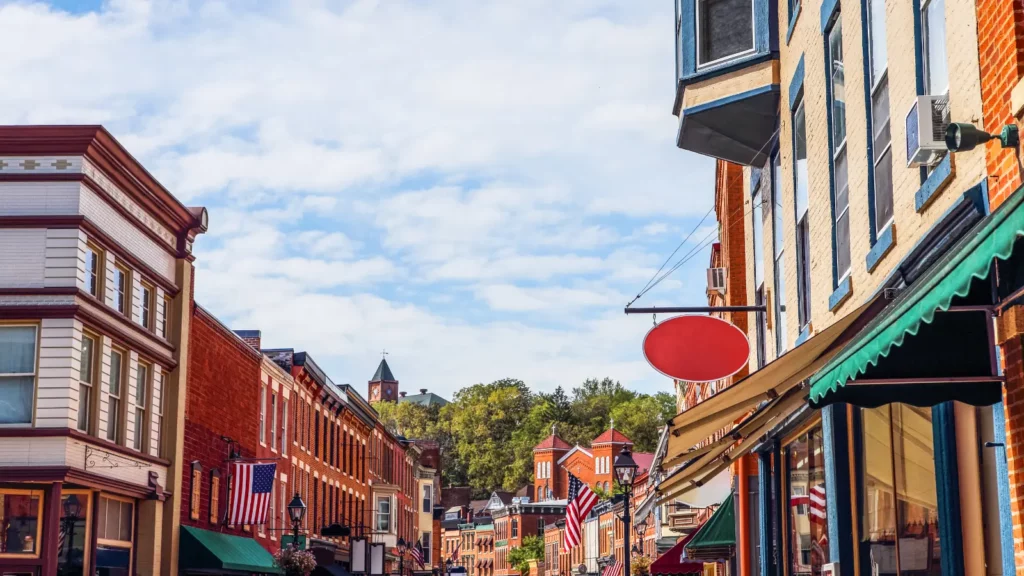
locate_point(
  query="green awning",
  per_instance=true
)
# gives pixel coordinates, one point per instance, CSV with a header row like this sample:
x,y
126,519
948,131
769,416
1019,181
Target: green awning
x,y
204,550
716,539
950,277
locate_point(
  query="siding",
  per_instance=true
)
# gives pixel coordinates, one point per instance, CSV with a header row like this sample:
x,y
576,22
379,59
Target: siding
x,y
60,348
65,258
127,233
22,257
38,198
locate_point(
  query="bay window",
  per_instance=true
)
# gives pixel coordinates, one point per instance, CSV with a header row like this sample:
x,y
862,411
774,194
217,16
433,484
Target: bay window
x,y
725,30
383,514
17,373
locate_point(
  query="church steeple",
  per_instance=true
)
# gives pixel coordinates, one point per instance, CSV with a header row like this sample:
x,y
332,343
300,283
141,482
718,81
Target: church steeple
x,y
383,385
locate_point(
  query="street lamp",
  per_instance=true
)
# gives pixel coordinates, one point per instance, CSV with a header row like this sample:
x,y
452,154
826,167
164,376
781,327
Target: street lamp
x,y
401,555
448,564
296,510
641,531
72,512
625,471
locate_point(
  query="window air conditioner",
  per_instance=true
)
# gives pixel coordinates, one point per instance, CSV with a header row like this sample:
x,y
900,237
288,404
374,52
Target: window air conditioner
x,y
716,280
926,130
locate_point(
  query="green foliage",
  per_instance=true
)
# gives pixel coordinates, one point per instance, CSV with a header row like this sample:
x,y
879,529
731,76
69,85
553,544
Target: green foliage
x,y
488,431
532,549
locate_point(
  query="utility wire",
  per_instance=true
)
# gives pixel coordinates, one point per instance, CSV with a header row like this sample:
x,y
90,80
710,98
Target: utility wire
x,y
655,280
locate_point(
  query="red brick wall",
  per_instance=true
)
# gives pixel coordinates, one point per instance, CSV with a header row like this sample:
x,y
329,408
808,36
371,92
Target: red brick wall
x,y
1001,55
222,400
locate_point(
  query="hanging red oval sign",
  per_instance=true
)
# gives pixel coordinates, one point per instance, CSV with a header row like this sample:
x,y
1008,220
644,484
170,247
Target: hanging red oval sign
x,y
696,348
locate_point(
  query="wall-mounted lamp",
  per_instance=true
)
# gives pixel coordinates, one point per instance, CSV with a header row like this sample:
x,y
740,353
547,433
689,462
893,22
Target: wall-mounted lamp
x,y
961,137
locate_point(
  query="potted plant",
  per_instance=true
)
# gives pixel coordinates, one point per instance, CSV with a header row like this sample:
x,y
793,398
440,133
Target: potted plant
x,y
295,562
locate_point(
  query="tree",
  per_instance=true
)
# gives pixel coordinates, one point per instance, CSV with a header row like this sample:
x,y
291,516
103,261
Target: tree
x,y
532,549
641,420
418,422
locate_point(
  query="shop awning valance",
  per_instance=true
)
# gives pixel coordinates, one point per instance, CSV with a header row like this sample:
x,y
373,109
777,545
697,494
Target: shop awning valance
x,y
691,427
204,550
934,293
674,561
723,452
716,539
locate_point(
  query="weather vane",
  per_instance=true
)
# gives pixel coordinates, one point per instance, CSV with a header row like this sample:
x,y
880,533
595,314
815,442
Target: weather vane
x,y
383,353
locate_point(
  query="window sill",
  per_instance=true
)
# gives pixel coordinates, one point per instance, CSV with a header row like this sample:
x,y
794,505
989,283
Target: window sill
x,y
886,240
841,293
805,333
936,182
792,22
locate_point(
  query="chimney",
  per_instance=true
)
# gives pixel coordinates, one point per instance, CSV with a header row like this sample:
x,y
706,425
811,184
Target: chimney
x,y
401,394
250,337
423,390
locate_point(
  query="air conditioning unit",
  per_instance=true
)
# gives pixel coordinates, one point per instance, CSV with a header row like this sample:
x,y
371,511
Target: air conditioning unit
x,y
926,130
716,280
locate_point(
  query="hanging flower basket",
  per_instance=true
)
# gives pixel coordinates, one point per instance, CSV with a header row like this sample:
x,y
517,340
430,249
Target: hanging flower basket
x,y
295,562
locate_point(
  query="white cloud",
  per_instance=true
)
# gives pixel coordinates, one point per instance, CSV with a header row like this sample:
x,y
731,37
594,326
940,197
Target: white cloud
x,y
397,174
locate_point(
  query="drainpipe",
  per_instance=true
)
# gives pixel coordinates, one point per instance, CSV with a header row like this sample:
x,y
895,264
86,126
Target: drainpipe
x,y
743,494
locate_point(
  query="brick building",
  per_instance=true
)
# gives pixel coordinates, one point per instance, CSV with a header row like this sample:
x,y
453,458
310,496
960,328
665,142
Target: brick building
x,y
554,460
95,292
222,422
516,521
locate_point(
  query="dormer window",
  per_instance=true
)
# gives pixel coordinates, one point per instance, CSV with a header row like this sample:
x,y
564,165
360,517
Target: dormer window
x,y
725,30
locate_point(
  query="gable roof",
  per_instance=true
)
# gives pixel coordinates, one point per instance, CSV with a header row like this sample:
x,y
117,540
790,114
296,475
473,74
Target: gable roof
x,y
429,399
643,461
610,437
383,373
575,449
553,442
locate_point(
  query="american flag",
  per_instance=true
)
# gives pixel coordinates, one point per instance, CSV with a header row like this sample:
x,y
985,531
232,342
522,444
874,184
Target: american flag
x,y
817,505
581,500
251,486
417,554
455,553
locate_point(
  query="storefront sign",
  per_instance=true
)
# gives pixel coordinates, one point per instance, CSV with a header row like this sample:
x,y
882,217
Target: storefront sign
x,y
696,348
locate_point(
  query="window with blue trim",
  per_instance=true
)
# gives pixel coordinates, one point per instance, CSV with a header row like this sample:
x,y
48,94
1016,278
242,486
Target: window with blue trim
x,y
840,161
725,30
933,46
803,233
881,141
779,246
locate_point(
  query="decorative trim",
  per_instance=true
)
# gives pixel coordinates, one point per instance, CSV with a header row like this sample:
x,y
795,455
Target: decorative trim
x,y
796,83
731,99
882,246
36,312
841,293
937,181
792,22
48,291
829,8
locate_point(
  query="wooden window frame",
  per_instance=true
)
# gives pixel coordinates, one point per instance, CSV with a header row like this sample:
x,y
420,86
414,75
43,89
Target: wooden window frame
x,y
127,544
263,414
101,269
118,419
147,409
125,293
215,496
147,316
85,496
273,420
195,491
39,521
96,375
168,304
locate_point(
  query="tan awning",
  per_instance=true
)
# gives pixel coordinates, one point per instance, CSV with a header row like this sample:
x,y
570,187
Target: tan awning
x,y
727,450
695,425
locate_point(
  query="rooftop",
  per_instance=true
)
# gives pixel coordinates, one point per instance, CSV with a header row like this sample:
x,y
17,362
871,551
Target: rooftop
x,y
611,436
383,373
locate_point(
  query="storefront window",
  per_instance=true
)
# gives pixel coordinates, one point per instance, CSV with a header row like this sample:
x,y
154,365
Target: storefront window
x,y
114,538
74,526
808,519
900,519
19,522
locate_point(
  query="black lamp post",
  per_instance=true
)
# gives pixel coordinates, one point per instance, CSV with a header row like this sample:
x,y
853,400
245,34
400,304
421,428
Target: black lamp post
x,y
448,564
401,555
625,471
641,530
296,510
72,512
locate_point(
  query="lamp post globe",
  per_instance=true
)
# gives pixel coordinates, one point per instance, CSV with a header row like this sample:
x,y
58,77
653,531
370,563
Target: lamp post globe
x,y
296,510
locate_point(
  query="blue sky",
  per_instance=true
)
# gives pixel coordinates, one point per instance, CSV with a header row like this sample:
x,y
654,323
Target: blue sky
x,y
478,187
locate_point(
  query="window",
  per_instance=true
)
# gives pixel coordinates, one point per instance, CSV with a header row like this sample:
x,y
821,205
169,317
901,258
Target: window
x,y
725,29
272,513
87,370
115,527
166,330
425,545
803,249
316,434
428,497
74,533
142,388
148,307
122,287
383,515
114,406
215,497
840,170
17,373
515,528
758,216
879,93
157,406
933,28
284,426
263,415
808,518
779,245
900,514
93,270
540,526
273,421
196,492
20,512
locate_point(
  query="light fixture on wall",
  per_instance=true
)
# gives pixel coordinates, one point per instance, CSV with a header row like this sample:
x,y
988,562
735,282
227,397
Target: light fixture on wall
x,y
961,136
